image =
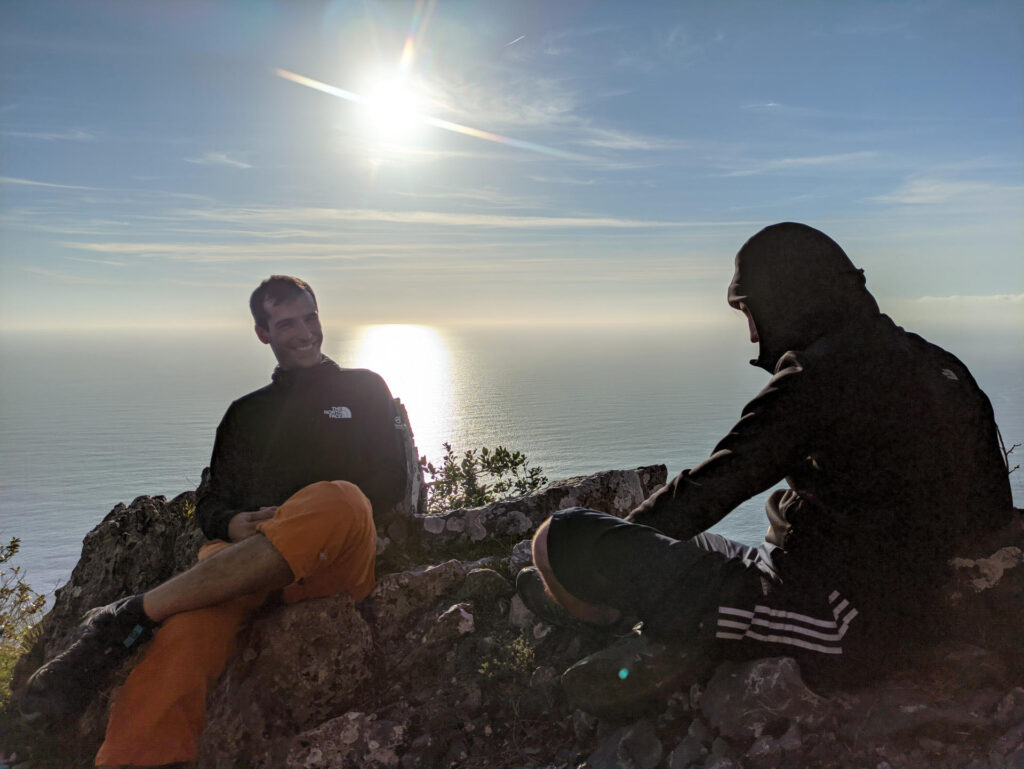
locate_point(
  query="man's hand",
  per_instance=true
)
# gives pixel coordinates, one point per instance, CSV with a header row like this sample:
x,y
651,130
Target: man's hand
x,y
243,525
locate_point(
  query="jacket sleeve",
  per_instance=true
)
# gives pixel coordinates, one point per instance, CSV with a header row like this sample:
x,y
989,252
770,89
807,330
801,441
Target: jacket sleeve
x,y
772,436
385,481
218,502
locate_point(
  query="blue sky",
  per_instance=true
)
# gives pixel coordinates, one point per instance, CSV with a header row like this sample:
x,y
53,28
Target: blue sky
x,y
155,165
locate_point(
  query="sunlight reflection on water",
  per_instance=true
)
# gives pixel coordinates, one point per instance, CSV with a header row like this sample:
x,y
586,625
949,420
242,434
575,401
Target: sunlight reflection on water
x,y
416,364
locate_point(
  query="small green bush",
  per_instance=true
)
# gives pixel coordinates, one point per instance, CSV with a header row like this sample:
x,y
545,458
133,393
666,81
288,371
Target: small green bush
x,y
478,477
515,659
20,607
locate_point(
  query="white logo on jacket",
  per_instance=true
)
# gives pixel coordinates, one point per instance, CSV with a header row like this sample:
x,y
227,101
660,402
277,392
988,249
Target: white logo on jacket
x,y
339,412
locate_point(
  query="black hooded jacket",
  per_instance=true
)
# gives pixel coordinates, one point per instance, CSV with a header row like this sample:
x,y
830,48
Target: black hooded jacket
x,y
314,424
885,440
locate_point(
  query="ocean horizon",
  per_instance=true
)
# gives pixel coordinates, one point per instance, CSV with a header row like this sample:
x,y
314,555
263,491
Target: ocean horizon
x,y
89,419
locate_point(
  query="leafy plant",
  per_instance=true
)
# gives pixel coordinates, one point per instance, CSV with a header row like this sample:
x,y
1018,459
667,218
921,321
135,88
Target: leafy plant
x,y
20,607
477,477
511,660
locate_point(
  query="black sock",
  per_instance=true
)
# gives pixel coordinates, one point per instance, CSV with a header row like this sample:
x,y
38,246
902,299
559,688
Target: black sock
x,y
133,608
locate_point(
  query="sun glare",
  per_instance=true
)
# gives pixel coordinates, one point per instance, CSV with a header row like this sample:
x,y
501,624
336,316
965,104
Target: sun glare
x,y
414,361
392,109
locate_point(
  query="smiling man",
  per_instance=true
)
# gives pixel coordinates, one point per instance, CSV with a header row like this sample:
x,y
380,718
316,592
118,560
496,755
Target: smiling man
x,y
300,470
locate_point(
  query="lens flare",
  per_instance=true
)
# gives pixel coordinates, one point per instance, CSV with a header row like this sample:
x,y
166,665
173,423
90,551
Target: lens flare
x,y
447,125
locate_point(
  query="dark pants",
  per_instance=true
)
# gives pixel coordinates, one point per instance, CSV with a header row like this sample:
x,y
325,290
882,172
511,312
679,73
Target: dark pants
x,y
743,602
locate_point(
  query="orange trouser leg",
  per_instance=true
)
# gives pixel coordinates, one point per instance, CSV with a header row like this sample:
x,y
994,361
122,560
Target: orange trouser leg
x,y
325,531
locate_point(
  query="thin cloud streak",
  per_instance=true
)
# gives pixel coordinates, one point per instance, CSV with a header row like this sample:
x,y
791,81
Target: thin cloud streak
x,y
437,218
52,136
31,183
938,191
217,159
64,277
786,164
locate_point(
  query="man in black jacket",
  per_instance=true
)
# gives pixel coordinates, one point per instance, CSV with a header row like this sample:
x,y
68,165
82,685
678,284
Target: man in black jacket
x,y
890,453
300,470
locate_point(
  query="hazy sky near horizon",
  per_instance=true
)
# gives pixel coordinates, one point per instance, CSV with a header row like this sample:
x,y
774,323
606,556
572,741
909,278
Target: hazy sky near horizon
x,y
528,161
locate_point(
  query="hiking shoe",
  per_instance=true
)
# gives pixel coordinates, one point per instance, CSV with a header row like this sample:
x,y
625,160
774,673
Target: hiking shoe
x,y
106,636
530,587
632,675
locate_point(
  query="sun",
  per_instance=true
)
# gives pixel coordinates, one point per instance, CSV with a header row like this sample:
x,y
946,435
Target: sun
x,y
392,109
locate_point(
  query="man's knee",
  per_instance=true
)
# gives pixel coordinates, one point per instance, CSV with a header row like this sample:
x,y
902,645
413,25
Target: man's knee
x,y
328,504
321,523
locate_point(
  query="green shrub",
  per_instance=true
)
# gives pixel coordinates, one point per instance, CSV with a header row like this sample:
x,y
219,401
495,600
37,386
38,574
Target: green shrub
x,y
515,659
478,477
20,607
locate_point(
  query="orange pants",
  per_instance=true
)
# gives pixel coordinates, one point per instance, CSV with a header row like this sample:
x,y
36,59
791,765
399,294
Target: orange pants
x,y
326,534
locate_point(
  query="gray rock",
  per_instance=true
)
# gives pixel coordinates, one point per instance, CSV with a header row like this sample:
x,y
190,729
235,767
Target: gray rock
x,y
613,491
454,622
518,615
397,596
744,700
792,740
485,587
700,731
134,548
277,687
688,752
522,555
583,725
631,747
765,753
349,741
905,708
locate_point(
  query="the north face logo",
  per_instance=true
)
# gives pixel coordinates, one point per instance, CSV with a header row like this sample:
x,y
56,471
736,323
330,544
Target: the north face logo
x,y
339,412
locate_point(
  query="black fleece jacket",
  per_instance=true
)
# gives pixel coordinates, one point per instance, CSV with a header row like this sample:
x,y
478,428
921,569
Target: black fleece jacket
x,y
314,424
887,443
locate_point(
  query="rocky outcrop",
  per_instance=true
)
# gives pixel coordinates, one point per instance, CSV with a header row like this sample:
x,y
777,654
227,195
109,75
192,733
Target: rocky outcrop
x,y
442,666
509,521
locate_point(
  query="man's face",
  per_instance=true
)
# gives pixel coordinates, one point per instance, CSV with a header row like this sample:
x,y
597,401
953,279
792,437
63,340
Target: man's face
x,y
754,338
293,332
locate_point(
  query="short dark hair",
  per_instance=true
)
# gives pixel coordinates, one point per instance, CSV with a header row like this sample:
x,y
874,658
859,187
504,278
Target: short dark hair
x,y
276,288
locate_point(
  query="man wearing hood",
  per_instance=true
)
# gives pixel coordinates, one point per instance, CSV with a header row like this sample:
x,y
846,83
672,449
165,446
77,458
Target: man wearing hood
x,y
890,453
300,471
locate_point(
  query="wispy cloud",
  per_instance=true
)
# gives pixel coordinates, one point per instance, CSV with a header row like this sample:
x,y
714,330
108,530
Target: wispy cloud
x,y
106,262
218,159
52,136
937,191
438,218
483,197
789,164
562,180
608,138
33,183
999,299
65,277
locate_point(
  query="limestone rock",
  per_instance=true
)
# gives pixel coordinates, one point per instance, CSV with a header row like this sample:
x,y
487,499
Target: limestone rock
x,y
297,667
636,746
399,595
612,491
486,587
432,671
352,741
134,548
748,699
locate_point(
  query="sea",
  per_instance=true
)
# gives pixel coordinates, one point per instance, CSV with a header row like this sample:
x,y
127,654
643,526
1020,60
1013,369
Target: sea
x,y
90,418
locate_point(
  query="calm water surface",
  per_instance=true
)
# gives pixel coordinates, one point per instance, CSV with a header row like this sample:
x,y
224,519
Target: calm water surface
x,y
88,420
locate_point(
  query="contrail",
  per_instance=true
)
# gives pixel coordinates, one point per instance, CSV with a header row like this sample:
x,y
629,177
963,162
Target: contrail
x,y
521,37
433,121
